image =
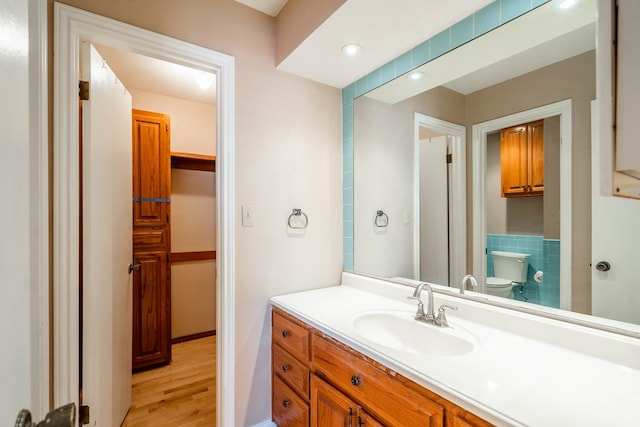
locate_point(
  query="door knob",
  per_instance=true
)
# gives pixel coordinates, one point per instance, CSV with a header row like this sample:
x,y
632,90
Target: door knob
x,y
603,266
134,267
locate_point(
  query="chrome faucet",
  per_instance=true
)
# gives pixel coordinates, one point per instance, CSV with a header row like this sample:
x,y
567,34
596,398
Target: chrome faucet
x,y
429,317
468,278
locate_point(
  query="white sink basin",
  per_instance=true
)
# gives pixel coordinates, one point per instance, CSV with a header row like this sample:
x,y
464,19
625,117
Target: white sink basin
x,y
398,330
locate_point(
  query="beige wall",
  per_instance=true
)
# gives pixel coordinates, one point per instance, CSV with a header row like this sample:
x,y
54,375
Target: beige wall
x,y
572,79
288,155
297,20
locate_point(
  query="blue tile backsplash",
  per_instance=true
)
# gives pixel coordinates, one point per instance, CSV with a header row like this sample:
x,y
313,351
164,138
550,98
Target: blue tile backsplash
x,y
545,257
475,25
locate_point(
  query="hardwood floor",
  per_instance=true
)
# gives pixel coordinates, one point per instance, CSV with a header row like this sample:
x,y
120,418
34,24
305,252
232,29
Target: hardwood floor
x,y
180,394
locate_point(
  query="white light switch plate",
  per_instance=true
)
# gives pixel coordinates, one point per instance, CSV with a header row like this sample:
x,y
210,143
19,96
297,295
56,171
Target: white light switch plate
x,y
247,216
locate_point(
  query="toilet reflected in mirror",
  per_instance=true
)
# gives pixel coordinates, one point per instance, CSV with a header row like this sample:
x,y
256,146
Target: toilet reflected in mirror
x,y
510,269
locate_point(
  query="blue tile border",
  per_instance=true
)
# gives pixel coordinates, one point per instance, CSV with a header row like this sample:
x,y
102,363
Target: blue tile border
x,y
486,19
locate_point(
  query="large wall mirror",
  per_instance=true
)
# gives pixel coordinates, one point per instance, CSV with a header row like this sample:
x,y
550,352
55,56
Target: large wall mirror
x,y
436,153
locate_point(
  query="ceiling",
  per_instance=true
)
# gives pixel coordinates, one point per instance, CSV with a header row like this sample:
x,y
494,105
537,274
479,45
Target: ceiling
x,y
384,29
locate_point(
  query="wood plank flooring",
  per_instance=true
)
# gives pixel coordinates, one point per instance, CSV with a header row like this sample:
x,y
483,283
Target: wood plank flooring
x,y
180,394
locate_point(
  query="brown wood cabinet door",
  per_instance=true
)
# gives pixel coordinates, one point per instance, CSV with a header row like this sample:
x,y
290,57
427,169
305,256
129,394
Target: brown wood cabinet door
x,y
513,160
536,153
329,407
152,168
151,336
151,239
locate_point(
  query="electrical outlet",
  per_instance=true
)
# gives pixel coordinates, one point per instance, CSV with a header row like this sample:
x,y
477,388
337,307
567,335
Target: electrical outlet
x,y
247,216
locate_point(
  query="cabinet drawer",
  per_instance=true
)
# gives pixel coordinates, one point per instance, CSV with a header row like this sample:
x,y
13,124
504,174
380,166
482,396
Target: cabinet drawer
x,y
150,238
291,335
291,371
380,393
289,410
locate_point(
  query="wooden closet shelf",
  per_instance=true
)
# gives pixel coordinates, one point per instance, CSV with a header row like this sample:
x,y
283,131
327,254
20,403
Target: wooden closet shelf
x,y
192,256
199,162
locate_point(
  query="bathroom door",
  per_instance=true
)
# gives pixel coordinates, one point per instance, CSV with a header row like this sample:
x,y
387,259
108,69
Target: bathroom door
x,y
106,243
614,237
434,210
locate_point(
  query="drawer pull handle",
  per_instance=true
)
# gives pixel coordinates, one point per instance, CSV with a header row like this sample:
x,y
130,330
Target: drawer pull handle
x,y
285,403
355,380
285,368
285,333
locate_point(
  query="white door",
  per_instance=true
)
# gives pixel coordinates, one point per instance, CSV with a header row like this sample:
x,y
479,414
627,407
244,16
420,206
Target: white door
x,y
107,248
434,211
615,294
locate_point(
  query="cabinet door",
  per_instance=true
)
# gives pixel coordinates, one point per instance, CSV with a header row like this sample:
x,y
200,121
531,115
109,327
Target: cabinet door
x,y
329,407
151,343
151,168
536,157
513,160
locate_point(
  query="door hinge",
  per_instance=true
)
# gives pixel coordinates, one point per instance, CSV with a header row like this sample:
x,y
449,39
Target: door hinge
x,y
83,415
449,158
84,90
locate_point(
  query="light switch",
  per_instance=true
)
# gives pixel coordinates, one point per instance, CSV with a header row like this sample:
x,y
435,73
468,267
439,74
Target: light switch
x,y
247,216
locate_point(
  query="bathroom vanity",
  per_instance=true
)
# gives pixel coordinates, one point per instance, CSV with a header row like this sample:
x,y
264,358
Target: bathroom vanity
x,y
354,355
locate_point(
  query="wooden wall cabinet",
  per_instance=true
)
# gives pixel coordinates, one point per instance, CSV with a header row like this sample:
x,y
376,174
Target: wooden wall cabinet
x,y
522,160
151,239
325,383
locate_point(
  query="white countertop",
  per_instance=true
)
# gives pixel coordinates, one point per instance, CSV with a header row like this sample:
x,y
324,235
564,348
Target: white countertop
x,y
524,370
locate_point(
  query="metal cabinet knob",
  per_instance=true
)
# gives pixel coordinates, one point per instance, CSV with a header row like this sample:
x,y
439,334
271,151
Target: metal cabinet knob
x,y
355,380
285,333
285,368
285,403
603,266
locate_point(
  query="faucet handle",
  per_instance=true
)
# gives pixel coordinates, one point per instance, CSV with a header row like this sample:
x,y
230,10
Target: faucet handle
x,y
441,320
420,312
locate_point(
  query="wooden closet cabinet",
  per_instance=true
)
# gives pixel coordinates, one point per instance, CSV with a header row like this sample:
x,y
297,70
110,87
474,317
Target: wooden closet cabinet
x,y
321,382
151,239
522,160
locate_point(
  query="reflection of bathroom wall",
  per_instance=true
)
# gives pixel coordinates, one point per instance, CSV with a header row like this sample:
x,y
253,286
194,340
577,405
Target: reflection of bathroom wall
x,y
538,215
383,164
572,79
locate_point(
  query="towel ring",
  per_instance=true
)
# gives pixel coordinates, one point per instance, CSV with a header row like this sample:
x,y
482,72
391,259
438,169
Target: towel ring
x,y
381,219
296,213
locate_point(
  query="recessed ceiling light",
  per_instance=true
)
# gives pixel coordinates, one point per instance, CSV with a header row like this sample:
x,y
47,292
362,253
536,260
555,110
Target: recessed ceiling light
x,y
416,75
566,4
351,49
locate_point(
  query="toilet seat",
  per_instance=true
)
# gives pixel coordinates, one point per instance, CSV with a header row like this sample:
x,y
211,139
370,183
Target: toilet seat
x,y
498,282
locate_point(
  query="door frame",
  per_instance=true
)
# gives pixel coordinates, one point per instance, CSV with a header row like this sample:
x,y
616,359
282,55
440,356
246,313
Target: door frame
x,y
479,135
72,25
457,194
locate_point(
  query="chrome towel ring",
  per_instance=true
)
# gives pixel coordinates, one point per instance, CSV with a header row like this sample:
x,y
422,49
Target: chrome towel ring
x,y
298,225
381,219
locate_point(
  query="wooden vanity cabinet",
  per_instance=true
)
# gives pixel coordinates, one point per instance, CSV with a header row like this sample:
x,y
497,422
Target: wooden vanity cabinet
x,y
320,382
290,356
333,409
522,160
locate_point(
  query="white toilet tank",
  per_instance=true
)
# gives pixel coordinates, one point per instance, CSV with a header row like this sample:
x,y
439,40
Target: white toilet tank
x,y
510,265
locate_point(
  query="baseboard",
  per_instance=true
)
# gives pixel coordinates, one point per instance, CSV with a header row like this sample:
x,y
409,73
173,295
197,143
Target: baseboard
x,y
191,337
266,424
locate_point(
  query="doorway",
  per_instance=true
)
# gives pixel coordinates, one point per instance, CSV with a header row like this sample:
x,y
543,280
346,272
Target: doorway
x,y
71,27
480,134
448,143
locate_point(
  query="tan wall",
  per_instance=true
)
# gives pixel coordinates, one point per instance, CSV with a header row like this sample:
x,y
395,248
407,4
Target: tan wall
x,y
287,155
297,20
572,79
